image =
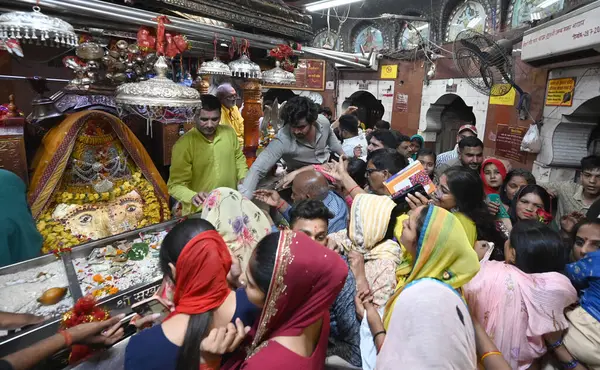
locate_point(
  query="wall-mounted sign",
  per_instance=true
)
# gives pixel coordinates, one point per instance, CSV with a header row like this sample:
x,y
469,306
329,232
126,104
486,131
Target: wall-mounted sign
x,y
560,92
310,75
575,31
389,71
506,99
401,103
508,142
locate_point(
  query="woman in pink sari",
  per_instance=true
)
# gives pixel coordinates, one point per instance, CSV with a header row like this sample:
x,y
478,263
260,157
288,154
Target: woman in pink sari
x,y
523,298
295,281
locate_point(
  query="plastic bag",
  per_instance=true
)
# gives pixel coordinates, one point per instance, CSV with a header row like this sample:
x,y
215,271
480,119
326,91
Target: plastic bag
x,y
532,142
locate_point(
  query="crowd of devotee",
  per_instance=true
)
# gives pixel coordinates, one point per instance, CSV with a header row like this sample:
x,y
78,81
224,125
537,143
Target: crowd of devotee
x,y
305,260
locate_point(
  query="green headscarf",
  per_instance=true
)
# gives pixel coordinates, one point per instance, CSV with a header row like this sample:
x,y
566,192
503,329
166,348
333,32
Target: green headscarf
x,y
421,141
19,237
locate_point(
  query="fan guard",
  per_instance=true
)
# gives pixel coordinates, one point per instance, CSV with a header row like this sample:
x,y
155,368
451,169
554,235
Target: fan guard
x,y
484,63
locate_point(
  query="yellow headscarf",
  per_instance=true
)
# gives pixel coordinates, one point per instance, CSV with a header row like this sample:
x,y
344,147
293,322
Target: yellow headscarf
x,y
369,221
233,117
443,253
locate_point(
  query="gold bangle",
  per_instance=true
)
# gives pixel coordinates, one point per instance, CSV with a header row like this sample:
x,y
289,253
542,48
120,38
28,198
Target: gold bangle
x,y
491,353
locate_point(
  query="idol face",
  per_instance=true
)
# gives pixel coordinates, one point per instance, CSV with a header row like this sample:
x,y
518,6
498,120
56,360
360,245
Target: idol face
x,y
102,219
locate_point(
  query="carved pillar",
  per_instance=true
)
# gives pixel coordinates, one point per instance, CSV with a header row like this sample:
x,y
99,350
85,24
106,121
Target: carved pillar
x,y
12,142
202,84
251,113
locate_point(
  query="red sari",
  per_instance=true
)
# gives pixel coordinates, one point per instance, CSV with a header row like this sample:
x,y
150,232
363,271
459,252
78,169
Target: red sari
x,y
307,278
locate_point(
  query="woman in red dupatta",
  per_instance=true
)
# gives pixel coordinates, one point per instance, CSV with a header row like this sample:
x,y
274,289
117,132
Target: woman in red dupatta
x,y
300,279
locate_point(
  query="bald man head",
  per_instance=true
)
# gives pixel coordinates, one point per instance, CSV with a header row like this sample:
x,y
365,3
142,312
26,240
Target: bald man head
x,y
309,185
227,95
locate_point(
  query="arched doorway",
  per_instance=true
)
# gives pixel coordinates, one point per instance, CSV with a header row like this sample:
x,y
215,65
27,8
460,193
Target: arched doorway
x,y
280,94
447,114
370,109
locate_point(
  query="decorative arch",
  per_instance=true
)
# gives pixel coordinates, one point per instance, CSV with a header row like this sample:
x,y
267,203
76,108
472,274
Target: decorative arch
x,y
357,26
450,7
370,109
321,34
431,33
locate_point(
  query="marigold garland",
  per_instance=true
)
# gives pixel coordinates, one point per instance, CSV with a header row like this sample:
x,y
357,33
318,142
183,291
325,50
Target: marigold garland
x,y
58,238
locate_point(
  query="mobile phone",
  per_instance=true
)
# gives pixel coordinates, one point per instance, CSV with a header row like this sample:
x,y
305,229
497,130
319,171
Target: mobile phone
x,y
400,197
150,306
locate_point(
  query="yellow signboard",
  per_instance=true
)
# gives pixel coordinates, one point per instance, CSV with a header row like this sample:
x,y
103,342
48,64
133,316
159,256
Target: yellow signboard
x,y
560,92
389,71
506,99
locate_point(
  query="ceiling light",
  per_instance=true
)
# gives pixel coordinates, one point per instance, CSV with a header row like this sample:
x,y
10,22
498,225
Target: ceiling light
x,y
224,45
320,5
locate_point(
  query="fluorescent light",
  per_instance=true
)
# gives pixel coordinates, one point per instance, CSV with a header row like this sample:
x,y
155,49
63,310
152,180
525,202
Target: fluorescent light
x,y
547,3
224,45
320,5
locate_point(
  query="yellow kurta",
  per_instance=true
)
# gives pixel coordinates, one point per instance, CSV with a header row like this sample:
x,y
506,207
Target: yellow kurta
x,y
233,118
199,165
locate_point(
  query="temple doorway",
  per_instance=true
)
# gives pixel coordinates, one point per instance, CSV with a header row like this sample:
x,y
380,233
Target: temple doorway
x,y
370,109
448,113
280,94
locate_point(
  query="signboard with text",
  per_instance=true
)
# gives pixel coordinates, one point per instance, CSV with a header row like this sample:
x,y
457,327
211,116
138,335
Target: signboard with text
x,y
579,30
310,75
508,142
560,92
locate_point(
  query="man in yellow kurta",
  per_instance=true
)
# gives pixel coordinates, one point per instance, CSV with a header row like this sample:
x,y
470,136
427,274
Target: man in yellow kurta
x,y
205,158
230,114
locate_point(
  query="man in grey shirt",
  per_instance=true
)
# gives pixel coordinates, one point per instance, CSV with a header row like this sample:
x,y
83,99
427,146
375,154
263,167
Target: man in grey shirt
x,y
306,138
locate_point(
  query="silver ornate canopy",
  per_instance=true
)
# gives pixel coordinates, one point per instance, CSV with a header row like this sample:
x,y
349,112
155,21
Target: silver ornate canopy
x,y
244,67
278,76
158,98
214,67
36,26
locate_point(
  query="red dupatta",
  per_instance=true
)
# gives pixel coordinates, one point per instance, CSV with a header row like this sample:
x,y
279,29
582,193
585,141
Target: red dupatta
x,y
501,168
306,279
201,282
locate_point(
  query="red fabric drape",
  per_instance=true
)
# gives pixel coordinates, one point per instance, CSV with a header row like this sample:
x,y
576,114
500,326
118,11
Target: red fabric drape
x,y
201,275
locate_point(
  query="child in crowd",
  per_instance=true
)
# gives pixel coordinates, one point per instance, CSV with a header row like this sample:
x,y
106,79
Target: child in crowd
x,y
427,158
520,300
493,173
582,339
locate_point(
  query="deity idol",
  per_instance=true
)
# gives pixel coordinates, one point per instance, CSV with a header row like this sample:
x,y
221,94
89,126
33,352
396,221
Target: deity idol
x,y
93,179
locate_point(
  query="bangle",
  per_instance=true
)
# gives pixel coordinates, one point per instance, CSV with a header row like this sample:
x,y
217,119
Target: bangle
x,y
378,333
571,365
555,345
491,353
68,337
351,190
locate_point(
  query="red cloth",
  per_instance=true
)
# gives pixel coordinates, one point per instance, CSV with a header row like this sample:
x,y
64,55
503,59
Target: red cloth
x,y
308,278
201,275
501,168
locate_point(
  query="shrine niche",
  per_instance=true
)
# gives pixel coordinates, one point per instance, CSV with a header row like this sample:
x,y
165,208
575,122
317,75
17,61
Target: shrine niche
x,y
93,179
524,12
366,38
458,16
328,39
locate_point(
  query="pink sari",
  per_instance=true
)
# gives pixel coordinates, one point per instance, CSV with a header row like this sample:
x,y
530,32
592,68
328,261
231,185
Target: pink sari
x,y
307,278
516,308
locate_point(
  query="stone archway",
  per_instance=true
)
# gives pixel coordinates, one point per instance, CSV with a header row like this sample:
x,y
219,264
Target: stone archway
x,y
446,116
280,94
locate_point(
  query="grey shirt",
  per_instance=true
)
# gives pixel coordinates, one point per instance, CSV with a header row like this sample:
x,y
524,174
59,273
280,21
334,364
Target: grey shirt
x,y
295,152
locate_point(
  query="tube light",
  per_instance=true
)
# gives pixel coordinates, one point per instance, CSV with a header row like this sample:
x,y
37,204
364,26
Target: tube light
x,y
547,3
320,5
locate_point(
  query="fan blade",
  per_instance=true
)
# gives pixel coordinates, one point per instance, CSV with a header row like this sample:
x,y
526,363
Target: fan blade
x,y
469,45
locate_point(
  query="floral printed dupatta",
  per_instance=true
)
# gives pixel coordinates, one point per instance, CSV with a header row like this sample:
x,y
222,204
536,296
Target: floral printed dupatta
x,y
239,221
